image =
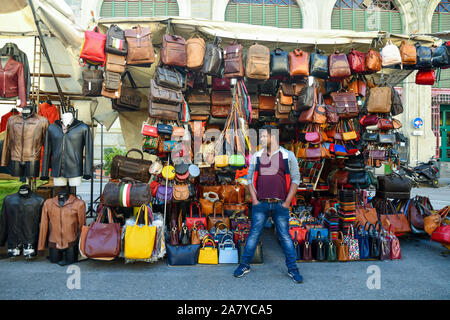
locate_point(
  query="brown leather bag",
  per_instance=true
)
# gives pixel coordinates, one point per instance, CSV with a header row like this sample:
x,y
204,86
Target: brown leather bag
x,y
233,61
139,193
298,87
164,95
140,47
221,98
285,99
339,67
221,111
408,53
180,192
341,248
112,85
216,218
126,167
258,62
299,63
208,206
379,100
163,111
345,103
266,103
115,63
307,115
373,61
195,238
199,98
195,51
173,51
228,193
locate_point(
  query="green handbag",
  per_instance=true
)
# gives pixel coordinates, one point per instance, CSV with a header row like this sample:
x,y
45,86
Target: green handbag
x,y
150,143
237,160
330,250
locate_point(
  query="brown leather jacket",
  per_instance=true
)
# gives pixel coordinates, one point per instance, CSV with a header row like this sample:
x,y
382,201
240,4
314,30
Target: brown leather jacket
x,y
24,138
12,81
65,222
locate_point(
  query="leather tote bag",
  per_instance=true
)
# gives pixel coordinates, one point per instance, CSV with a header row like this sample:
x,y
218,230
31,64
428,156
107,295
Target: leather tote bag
x,y
208,254
93,48
228,253
341,248
258,62
233,61
130,98
127,193
186,255
213,60
379,100
299,63
92,82
191,221
115,41
139,240
318,66
103,239
425,77
140,47
126,167
173,51
214,219
279,63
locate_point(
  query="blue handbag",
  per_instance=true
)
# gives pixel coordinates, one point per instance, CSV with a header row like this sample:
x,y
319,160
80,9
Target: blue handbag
x,y
228,253
363,241
314,231
279,63
183,255
318,65
424,56
441,57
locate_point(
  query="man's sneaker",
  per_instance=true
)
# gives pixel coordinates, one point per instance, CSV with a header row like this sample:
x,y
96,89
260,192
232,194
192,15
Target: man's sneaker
x,y
241,270
296,276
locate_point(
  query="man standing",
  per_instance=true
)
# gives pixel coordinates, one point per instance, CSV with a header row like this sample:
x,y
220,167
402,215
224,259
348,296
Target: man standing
x,y
273,178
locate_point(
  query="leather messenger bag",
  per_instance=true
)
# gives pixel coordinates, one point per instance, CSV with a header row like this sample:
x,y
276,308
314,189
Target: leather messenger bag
x,y
164,111
126,167
140,47
164,95
130,98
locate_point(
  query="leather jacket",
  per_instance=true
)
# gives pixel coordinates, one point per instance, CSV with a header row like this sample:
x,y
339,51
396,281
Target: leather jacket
x,y
19,220
18,55
63,152
12,81
24,138
64,222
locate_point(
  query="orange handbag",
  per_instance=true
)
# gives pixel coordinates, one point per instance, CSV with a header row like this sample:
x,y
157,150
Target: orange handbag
x,y
286,100
298,63
266,103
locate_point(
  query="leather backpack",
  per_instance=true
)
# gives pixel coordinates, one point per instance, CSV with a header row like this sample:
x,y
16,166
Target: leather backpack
x,y
279,63
173,51
298,63
92,82
164,95
390,55
318,66
379,100
397,104
115,41
195,53
357,61
305,99
339,67
408,53
140,47
212,62
258,62
373,61
440,57
424,56
233,61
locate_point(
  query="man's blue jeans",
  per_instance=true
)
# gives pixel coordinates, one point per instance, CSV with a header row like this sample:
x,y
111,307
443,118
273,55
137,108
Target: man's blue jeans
x,y
280,216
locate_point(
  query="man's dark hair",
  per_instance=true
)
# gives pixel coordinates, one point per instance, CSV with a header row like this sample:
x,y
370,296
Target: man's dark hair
x,y
269,128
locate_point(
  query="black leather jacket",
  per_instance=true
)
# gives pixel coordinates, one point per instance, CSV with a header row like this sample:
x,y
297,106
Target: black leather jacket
x,y
19,220
63,152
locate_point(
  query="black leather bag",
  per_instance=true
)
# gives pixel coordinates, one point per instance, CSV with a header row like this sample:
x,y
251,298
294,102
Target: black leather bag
x,y
115,41
305,99
126,167
137,193
397,104
169,78
269,87
394,182
213,60
318,65
359,179
332,86
374,242
92,82
318,248
185,239
130,99
183,255
279,63
370,136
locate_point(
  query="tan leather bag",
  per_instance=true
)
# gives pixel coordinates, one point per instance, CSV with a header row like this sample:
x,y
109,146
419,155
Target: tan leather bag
x,y
284,99
215,218
220,111
112,80
195,51
408,53
180,192
140,47
208,206
115,63
258,62
341,248
173,51
298,63
373,61
266,103
379,100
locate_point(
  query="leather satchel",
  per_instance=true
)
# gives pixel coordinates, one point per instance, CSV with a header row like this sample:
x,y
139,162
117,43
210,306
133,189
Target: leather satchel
x,y
169,78
199,98
306,98
339,67
92,82
115,63
214,219
130,99
162,94
307,115
266,103
127,193
163,111
331,113
183,255
173,51
408,53
258,62
207,206
357,61
220,84
221,98
115,41
140,47
279,63
195,52
221,111
233,61
345,103
319,65
373,61
298,63
212,62
379,100
112,80
126,167
180,192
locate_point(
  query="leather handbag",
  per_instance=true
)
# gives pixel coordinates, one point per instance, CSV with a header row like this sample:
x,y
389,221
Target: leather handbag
x,y
385,124
168,78
298,63
357,61
341,248
331,114
279,63
127,193
115,63
318,65
330,250
185,238
318,248
220,111
319,115
140,47
373,61
221,98
425,77
374,242
179,255
352,244
180,192
306,249
93,47
339,67
163,111
220,84
379,100
266,103
140,240
207,206
92,82
164,193
103,239
390,55
195,235
130,99
115,41
258,62
396,253
385,245
214,219
126,167
424,56
173,50
369,120
346,105
199,98
164,129
408,53
195,52
233,61
440,57
306,98
213,62
386,138
298,233
208,254
191,221
228,253
397,104
112,81
389,216
363,242
162,94
441,234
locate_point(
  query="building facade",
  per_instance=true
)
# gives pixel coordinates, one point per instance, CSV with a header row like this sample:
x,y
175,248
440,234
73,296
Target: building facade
x,y
395,16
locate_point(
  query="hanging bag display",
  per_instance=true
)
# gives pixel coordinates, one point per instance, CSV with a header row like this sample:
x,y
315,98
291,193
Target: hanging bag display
x,y
339,67
373,61
379,100
173,50
408,53
92,82
318,65
390,55
139,240
357,61
425,77
163,94
233,61
93,47
130,97
345,104
140,47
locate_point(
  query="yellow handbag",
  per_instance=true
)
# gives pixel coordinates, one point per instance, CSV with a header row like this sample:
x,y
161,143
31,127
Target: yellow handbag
x,y
168,171
139,241
221,161
208,255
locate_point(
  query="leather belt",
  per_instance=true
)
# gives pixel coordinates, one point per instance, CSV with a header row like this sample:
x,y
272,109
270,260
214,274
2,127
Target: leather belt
x,y
272,200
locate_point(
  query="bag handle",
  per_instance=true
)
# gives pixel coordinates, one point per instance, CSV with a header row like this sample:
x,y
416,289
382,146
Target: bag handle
x,y
136,150
208,240
198,206
145,215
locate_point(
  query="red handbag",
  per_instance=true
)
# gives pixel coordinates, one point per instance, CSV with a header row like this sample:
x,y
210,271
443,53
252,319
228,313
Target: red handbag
x,y
191,221
369,120
154,187
149,130
301,234
441,234
93,48
385,124
221,84
425,77
357,61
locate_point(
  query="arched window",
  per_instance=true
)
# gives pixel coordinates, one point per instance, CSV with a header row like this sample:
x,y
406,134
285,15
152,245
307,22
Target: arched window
x,y
139,8
366,15
275,13
441,22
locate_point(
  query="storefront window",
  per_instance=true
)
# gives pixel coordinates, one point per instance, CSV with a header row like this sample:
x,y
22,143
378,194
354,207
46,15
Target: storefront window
x,y
139,8
275,13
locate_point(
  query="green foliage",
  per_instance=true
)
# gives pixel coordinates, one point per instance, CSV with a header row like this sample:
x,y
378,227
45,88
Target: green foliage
x,y
109,154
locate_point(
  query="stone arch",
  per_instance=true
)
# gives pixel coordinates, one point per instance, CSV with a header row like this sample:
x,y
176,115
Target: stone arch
x,y
428,18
